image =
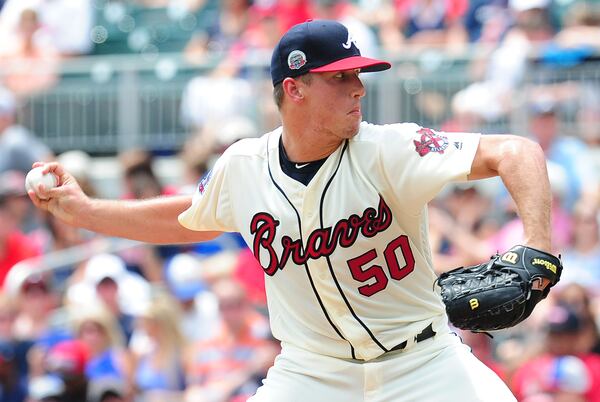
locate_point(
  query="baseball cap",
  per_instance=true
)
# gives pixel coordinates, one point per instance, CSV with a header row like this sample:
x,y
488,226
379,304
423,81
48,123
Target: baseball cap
x,y
67,358
563,320
12,183
318,46
45,387
543,105
103,266
183,273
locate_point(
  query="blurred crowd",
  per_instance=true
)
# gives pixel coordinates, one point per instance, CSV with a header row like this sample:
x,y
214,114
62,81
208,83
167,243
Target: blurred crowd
x,y
168,323
190,323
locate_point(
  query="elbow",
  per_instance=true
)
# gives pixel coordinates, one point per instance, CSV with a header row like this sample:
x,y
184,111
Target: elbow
x,y
500,155
517,148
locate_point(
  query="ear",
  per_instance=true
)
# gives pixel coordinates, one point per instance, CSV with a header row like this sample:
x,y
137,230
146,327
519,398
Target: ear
x,y
292,89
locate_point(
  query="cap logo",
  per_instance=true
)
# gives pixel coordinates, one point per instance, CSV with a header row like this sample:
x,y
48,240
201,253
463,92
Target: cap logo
x,y
349,42
296,60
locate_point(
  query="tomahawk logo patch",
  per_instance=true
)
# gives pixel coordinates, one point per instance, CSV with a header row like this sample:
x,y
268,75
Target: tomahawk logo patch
x,y
204,182
430,141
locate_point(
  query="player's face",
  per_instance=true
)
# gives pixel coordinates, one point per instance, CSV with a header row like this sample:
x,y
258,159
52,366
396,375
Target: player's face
x,y
335,102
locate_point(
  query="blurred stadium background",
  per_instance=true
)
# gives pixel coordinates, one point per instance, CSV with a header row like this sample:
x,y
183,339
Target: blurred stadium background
x,y
137,98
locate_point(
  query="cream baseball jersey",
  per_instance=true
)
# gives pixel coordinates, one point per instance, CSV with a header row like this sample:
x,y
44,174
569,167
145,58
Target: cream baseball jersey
x,y
346,257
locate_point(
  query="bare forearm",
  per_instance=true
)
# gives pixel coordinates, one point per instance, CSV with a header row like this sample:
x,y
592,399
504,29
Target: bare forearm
x,y
152,221
523,171
521,165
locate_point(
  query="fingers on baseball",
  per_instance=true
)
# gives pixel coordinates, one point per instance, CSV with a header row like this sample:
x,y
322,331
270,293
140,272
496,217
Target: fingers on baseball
x,y
33,197
52,167
41,195
38,202
54,192
42,192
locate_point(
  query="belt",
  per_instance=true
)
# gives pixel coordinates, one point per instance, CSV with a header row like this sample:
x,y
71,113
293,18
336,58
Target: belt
x,y
427,333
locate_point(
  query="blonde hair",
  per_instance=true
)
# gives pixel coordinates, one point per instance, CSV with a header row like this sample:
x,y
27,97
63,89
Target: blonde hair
x,y
164,312
103,318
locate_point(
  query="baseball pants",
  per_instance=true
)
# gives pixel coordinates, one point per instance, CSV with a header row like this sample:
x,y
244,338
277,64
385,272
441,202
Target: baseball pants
x,y
441,369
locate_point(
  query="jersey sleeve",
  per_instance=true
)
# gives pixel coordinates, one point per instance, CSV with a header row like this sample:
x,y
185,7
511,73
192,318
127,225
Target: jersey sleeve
x,y
419,161
211,204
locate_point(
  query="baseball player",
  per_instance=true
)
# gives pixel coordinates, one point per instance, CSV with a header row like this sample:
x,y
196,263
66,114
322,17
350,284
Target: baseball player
x,y
334,210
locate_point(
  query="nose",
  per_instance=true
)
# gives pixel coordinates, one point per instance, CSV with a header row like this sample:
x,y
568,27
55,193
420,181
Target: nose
x,y
359,89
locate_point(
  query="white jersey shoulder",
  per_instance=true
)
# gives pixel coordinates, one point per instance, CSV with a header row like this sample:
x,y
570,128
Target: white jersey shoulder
x,y
248,147
214,199
415,161
373,132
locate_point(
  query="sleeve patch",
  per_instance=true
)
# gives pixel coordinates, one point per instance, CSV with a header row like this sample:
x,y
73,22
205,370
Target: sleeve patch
x,y
204,182
430,141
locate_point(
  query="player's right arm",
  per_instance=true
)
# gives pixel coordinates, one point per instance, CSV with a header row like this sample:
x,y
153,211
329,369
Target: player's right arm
x,y
152,220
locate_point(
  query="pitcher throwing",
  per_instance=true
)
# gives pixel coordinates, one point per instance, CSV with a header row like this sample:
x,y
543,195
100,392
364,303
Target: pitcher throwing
x,y
334,210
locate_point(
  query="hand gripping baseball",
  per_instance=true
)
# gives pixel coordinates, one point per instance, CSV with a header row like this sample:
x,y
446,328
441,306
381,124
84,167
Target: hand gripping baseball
x,y
500,293
66,201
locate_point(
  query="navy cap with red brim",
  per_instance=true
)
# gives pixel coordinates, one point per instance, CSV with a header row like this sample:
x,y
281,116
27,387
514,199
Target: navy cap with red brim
x,y
319,46
366,65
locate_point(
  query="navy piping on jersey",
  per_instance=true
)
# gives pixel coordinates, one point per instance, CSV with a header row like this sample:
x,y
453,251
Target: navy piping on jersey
x,y
337,284
312,285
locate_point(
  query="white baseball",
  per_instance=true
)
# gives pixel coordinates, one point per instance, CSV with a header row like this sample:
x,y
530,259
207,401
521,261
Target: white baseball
x,y
35,177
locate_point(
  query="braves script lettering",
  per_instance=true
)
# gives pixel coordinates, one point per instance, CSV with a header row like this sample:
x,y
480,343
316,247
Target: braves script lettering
x,y
320,243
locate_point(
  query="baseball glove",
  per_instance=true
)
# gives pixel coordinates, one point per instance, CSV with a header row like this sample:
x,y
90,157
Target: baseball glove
x,y
500,293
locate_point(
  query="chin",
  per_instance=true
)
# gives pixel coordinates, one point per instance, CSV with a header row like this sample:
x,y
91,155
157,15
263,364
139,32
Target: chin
x,y
353,130
350,133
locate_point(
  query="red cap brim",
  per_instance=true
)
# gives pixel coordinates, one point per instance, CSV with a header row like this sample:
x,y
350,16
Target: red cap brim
x,y
364,63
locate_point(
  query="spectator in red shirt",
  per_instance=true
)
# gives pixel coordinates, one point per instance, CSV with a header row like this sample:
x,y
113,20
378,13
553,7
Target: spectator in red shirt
x,y
250,274
287,12
14,245
563,369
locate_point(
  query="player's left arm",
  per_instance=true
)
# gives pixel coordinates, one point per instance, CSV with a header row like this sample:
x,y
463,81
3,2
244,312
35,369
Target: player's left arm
x,y
521,165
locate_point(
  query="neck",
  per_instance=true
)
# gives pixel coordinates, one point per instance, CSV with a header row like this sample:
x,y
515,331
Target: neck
x,y
307,145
